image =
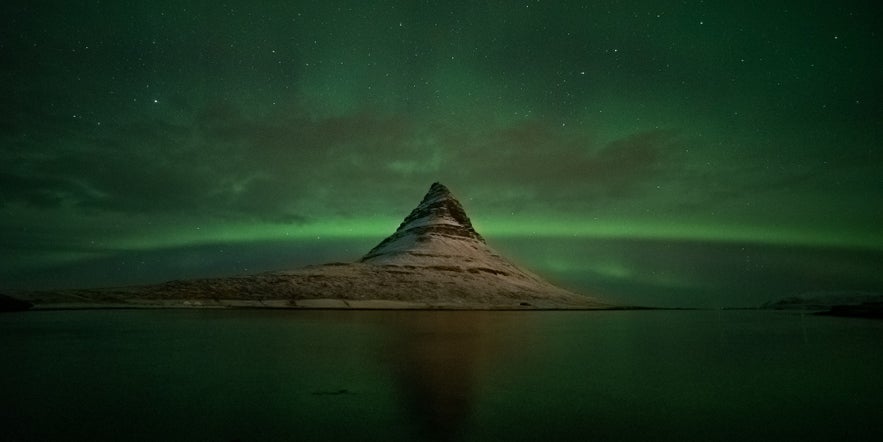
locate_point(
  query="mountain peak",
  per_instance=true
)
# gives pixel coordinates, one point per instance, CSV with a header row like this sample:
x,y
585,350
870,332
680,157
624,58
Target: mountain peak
x,y
440,253
440,208
439,215
435,259
438,187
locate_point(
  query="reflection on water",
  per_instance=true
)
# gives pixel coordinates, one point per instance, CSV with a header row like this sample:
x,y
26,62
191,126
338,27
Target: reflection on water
x,y
438,358
351,375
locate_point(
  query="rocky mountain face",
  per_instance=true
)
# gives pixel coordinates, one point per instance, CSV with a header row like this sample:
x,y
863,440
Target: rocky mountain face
x,y
435,259
438,236
438,220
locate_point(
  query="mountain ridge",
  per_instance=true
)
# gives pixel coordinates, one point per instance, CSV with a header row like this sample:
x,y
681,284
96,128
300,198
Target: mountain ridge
x,y
445,216
435,259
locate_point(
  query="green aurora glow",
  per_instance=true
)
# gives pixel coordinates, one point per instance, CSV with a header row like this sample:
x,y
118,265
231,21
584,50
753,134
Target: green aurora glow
x,y
294,132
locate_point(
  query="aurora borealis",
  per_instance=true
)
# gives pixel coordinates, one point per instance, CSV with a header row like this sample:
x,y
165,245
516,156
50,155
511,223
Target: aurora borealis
x,y
693,153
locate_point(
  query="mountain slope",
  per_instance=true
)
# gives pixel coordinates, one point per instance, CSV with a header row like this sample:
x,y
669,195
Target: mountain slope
x,y
438,235
435,259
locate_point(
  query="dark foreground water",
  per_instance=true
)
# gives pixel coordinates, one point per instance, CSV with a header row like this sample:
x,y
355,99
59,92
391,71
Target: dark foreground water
x,y
350,375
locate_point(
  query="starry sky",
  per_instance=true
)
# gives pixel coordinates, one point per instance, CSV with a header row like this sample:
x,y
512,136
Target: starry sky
x,y
676,153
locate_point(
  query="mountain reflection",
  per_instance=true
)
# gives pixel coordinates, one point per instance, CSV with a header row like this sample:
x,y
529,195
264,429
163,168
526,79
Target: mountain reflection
x,y
439,359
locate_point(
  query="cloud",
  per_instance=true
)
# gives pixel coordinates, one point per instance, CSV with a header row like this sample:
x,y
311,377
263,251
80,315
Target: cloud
x,y
569,169
292,166
223,163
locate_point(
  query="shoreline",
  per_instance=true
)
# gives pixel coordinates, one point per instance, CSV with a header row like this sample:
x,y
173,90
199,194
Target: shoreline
x,y
320,304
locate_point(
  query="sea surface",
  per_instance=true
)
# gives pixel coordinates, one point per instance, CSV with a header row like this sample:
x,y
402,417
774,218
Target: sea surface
x,y
256,375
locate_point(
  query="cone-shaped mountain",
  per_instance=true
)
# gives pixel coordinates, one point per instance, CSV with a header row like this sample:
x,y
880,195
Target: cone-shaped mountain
x,y
438,235
439,215
435,259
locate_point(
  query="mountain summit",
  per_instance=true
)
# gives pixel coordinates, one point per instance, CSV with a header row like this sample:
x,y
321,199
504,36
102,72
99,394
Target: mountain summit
x,y
435,259
438,236
436,222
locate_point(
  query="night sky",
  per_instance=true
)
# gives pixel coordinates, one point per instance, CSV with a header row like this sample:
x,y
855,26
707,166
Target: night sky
x,y
690,153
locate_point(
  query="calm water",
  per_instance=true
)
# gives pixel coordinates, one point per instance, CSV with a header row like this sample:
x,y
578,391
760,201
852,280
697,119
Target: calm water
x,y
284,375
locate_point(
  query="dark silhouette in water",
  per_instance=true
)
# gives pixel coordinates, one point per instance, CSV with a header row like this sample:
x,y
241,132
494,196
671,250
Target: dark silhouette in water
x,y
871,310
9,304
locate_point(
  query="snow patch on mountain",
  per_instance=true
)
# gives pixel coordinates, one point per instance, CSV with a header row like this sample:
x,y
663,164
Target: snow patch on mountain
x,y
435,259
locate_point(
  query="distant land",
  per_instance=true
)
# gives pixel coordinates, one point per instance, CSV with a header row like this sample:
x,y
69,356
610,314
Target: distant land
x,y
434,260
846,304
